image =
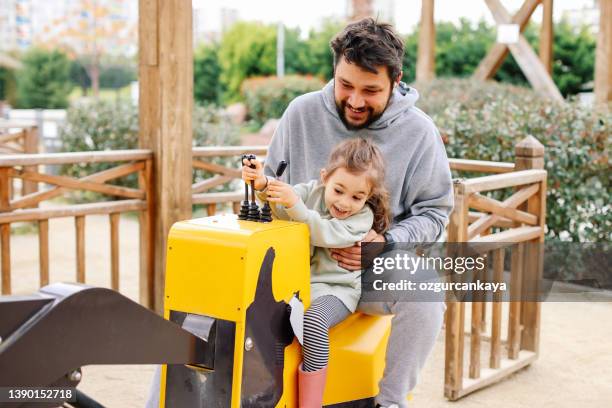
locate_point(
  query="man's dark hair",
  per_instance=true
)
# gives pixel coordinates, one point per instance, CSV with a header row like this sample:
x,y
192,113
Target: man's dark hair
x,y
368,44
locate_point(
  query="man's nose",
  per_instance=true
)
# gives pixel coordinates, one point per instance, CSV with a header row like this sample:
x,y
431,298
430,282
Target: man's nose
x,y
356,101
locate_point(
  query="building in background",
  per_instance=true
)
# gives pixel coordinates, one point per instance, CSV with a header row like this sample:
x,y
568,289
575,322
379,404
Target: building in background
x,y
110,25
15,24
587,15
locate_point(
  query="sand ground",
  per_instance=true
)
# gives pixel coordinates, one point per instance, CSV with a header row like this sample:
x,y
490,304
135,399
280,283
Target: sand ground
x,y
574,368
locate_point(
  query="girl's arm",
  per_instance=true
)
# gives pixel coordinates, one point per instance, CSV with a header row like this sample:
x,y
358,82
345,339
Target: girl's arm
x,y
333,233
301,191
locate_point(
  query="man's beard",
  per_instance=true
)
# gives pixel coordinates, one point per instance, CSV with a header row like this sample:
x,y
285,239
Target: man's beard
x,y
341,108
371,118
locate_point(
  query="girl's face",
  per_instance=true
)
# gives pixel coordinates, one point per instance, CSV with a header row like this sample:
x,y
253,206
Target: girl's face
x,y
345,193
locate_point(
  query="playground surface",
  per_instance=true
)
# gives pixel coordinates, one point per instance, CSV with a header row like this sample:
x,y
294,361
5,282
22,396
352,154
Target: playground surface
x,y
574,368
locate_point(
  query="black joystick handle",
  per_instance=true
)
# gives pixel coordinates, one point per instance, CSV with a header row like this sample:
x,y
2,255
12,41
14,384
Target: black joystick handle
x,y
281,168
266,211
254,214
244,206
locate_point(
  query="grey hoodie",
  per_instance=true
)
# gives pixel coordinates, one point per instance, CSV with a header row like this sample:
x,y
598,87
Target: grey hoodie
x,y
417,175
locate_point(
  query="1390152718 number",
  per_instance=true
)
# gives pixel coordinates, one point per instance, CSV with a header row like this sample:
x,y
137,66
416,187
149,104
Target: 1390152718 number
x,y
37,394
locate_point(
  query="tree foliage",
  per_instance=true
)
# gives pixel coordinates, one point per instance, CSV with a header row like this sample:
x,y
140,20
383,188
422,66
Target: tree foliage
x,y
44,80
207,86
247,49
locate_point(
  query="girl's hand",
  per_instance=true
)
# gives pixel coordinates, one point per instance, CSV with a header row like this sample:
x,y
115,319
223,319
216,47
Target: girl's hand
x,y
256,174
281,193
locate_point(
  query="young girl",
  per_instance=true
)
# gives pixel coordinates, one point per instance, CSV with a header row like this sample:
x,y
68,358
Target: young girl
x,y
349,200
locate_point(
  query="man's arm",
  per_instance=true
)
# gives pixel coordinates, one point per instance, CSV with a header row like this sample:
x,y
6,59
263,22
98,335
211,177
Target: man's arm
x,y
431,196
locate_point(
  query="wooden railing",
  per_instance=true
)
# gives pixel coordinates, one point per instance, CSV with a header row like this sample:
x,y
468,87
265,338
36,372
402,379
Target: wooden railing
x,y
28,167
222,175
19,138
511,225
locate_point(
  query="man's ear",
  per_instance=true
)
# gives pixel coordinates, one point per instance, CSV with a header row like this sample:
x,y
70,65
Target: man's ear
x,y
323,175
399,78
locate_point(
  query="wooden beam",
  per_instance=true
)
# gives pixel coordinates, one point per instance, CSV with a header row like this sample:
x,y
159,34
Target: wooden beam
x,y
525,57
496,55
425,68
166,104
546,35
480,166
505,180
603,59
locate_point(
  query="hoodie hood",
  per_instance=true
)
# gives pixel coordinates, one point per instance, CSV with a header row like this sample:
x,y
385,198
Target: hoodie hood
x,y
402,99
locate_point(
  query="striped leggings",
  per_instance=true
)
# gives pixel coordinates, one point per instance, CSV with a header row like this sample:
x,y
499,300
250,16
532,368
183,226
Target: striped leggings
x,y
324,313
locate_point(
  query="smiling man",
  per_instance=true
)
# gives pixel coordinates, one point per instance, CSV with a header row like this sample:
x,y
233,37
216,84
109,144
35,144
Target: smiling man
x,y
366,99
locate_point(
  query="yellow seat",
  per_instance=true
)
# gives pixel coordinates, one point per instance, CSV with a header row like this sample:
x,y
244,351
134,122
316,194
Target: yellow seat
x,y
356,358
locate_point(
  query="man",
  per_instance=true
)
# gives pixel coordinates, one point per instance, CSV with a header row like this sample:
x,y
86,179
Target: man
x,y
367,99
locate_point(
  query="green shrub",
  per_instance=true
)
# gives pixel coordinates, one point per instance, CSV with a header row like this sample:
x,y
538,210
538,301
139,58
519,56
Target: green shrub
x,y
44,80
485,121
268,97
105,125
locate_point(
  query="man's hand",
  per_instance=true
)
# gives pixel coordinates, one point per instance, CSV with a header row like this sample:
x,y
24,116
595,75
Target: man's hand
x,y
350,258
281,193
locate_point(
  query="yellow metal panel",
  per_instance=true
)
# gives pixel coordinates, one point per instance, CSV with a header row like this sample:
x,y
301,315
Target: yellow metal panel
x,y
356,358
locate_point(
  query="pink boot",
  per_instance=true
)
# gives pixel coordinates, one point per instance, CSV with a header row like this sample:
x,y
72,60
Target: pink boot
x,y
311,385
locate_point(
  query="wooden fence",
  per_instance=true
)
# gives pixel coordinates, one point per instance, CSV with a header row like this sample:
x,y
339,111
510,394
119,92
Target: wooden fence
x,y
29,168
517,222
19,138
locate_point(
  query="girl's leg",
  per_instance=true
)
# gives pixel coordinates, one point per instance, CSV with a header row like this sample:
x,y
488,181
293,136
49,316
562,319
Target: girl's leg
x,y
324,313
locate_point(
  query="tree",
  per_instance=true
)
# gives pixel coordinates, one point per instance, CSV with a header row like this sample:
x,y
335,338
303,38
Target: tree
x,y
7,85
247,49
89,31
44,80
317,57
574,57
79,77
207,86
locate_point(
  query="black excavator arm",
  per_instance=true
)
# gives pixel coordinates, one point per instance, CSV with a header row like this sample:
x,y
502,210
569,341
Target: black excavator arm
x,y
47,337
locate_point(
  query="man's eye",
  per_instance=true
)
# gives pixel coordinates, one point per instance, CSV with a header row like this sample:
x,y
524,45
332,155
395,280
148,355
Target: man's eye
x,y
347,86
337,191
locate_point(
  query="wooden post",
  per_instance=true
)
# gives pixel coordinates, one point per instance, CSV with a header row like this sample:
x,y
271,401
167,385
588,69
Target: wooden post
x,y
455,313
146,220
524,55
603,59
496,55
546,35
166,104
43,251
30,147
425,68
114,244
5,230
529,154
79,223
496,315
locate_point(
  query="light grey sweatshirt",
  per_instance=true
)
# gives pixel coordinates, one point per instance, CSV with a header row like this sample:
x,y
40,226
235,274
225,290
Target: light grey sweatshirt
x,y
326,276
417,175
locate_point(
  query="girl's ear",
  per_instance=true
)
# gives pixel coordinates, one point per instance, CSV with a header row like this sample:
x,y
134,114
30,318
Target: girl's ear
x,y
323,175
